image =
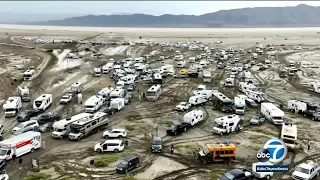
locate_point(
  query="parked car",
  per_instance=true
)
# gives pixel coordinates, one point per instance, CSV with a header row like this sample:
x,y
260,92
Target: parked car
x,y
31,125
115,133
257,120
183,106
156,145
47,117
251,103
128,163
237,174
25,115
110,145
47,127
177,129
65,99
108,110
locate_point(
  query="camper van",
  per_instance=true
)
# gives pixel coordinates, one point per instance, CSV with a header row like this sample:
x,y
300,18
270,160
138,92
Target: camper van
x,y
93,104
117,103
289,134
120,84
207,76
255,56
42,102
193,117
117,93
76,87
29,75
12,106
85,127
24,93
61,128
227,124
107,68
239,105
154,92
256,95
97,72
272,113
221,101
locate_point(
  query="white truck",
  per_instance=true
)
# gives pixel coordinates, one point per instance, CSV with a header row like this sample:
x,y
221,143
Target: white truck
x,y
227,124
183,106
272,113
12,106
306,171
117,103
206,76
193,117
24,93
289,135
20,145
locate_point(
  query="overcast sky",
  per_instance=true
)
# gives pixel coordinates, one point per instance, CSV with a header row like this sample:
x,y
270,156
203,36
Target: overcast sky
x,y
146,7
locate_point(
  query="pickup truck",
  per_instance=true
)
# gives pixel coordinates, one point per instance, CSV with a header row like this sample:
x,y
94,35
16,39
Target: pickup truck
x,y
307,171
183,106
65,99
237,174
177,129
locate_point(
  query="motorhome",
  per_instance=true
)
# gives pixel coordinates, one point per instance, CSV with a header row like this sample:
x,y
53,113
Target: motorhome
x,y
120,84
76,87
201,87
255,56
239,105
229,82
85,127
245,86
42,102
24,93
234,70
207,76
157,78
93,104
117,103
267,62
117,93
107,68
12,106
29,75
198,100
289,135
272,113
314,86
97,72
256,95
204,63
221,101
20,144
167,69
128,79
193,117
61,128
105,93
180,64
154,92
227,124
247,77
142,68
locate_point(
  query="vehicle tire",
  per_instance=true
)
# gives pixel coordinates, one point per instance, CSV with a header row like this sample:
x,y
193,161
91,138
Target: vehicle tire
x,y
99,150
116,150
204,161
35,128
126,171
221,134
185,129
313,119
120,136
78,139
61,137
32,150
175,133
268,177
138,165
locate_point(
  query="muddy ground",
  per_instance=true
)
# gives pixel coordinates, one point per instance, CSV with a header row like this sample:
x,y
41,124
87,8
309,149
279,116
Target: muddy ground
x,y
64,159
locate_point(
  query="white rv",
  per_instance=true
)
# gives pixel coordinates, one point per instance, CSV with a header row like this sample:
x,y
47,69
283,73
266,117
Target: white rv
x,y
76,87
314,86
204,63
289,134
239,105
117,103
272,113
154,92
255,56
120,85
256,95
198,100
12,106
206,93
261,175
24,93
128,79
93,104
105,93
227,124
245,86
180,64
107,68
193,117
29,75
117,93
207,76
43,102
229,82
84,127
97,72
234,71
201,87
20,145
62,128
247,76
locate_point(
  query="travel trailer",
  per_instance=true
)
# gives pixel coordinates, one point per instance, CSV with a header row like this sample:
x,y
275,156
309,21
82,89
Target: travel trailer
x,y
42,102
207,76
85,127
256,95
193,117
227,124
29,75
289,135
107,68
97,72
245,86
128,79
206,93
76,87
154,92
62,129
117,93
239,105
117,103
93,104
272,113
20,144
198,100
221,101
24,93
105,93
307,109
12,106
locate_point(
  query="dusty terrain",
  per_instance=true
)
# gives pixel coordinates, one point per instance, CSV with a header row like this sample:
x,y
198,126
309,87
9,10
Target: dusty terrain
x,y
64,159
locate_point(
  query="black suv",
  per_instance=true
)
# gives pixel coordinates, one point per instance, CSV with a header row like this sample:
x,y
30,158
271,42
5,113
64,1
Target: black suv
x,y
128,163
25,115
47,117
108,110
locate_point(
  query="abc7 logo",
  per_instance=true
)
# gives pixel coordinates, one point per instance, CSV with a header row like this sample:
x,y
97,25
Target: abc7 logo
x,y
263,155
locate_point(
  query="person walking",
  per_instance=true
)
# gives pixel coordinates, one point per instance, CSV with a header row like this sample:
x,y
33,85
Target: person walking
x,y
14,158
44,144
171,149
309,145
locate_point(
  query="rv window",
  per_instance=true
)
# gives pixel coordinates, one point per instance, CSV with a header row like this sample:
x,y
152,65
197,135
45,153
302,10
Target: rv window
x,y
231,124
94,123
113,144
88,126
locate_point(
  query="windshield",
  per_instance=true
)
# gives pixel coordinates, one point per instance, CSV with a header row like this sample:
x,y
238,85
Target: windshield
x,y
123,162
156,143
230,103
38,103
303,170
27,75
20,125
3,152
287,141
218,125
59,130
73,130
151,93
183,103
229,176
312,108
239,108
277,118
89,106
9,110
65,97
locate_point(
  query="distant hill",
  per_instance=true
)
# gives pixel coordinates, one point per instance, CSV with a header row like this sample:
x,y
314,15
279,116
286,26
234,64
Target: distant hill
x,y
298,16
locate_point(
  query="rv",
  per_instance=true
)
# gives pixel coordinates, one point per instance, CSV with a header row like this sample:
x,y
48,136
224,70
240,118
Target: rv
x,y
272,113
20,145
62,128
97,72
142,68
267,62
12,106
255,56
289,135
314,86
222,102
117,103
245,86
105,93
256,95
247,77
93,104
180,64
117,67
85,127
198,100
29,75
193,117
76,87
128,79
204,63
207,76
239,105
157,78
117,93
107,68
201,87
154,92
291,63
207,93
292,71
307,109
24,93
42,102
227,124
234,70
229,82
120,84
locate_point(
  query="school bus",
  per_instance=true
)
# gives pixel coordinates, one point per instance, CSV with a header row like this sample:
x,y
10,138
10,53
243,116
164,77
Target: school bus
x,y
224,152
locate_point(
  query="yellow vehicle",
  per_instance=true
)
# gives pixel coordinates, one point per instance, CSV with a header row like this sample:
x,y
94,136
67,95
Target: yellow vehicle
x,y
224,152
184,72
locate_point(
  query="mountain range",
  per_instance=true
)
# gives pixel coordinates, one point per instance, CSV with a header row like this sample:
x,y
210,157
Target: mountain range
x,y
298,16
